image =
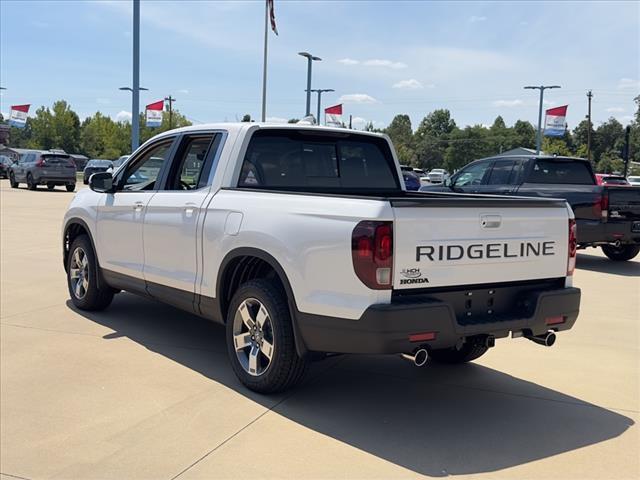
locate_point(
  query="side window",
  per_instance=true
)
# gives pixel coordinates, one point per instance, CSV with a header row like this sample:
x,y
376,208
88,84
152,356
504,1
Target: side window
x,y
143,173
501,172
472,175
191,165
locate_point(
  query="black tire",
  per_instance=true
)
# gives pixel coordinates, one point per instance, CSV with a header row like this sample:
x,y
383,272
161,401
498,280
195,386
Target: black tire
x,y
470,351
31,185
94,298
621,253
12,181
286,368
50,186
70,188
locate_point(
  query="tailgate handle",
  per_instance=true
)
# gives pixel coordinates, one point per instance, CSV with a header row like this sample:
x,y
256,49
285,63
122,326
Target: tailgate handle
x,y
490,221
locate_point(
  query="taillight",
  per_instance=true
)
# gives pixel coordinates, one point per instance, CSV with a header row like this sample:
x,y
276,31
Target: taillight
x,y
601,206
40,162
573,247
372,253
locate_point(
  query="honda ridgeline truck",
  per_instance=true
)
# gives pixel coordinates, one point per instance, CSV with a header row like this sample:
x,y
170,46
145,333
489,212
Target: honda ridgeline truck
x,y
303,241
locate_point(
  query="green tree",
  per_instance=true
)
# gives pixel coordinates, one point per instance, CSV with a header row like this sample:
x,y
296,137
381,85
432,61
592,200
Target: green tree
x,y
401,134
634,136
610,162
56,128
467,145
246,118
524,134
608,136
556,146
430,138
101,137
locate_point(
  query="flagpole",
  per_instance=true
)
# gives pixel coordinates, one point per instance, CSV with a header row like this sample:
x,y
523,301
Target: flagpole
x,y
264,67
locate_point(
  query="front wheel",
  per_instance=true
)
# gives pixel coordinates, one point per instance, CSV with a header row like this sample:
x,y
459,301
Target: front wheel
x,y
468,352
621,253
12,181
70,188
260,339
82,277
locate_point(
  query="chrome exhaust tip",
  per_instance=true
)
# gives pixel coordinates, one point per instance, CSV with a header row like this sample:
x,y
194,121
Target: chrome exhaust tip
x,y
546,339
419,357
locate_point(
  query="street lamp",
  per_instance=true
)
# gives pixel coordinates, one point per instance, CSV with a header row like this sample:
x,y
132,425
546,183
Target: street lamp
x,y
319,91
310,58
542,88
135,114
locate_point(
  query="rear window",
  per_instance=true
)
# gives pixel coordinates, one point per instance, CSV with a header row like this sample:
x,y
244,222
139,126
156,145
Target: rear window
x,y
615,181
559,171
57,160
99,163
293,159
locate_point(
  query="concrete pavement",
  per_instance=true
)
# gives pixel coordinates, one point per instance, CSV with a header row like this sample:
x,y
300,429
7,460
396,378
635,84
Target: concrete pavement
x,y
142,390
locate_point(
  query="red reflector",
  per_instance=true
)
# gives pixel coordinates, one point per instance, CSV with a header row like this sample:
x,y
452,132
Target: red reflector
x,y
422,337
554,320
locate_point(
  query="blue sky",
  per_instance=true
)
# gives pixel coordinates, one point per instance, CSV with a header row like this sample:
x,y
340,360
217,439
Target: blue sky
x,y
382,58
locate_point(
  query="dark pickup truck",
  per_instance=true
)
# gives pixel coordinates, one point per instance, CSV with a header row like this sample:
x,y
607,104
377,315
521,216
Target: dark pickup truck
x,y
607,216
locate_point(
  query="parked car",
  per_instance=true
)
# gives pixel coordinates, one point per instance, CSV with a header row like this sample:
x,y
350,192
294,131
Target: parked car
x,y
607,216
437,176
44,168
608,179
120,161
95,165
305,241
411,180
634,180
5,163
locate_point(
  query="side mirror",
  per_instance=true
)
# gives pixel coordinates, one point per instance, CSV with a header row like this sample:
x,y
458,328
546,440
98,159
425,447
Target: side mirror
x,y
101,182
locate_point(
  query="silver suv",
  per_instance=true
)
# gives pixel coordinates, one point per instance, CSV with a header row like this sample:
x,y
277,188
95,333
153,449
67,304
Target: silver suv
x,y
44,168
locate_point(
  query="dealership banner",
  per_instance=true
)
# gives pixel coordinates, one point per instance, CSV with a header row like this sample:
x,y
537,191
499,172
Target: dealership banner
x,y
333,116
18,115
555,121
154,114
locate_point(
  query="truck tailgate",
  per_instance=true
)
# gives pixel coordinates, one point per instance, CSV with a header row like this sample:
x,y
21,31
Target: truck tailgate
x,y
442,242
624,203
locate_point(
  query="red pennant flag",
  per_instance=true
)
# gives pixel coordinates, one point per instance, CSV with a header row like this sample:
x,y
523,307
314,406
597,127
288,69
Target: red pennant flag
x,y
159,105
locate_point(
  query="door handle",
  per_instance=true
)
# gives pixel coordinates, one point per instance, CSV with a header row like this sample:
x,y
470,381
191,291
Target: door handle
x,y
189,209
138,206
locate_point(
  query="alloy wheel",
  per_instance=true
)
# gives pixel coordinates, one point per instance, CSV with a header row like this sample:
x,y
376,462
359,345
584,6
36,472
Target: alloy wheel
x,y
79,273
253,337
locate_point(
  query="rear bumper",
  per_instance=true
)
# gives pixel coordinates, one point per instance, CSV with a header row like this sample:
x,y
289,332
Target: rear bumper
x,y
44,179
385,328
614,229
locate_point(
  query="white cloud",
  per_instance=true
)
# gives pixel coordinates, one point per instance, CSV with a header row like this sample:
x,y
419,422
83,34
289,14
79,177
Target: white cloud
x,y
476,19
123,116
628,83
412,84
184,91
276,120
626,119
374,62
384,63
508,103
357,98
615,109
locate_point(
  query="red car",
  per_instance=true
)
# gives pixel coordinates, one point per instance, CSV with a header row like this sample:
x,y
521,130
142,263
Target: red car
x,y
607,179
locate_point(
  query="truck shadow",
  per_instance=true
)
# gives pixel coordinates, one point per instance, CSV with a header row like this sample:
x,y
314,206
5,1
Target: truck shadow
x,y
595,263
435,421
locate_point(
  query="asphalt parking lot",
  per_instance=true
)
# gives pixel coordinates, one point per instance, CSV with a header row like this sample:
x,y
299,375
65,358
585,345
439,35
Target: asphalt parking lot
x,y
142,390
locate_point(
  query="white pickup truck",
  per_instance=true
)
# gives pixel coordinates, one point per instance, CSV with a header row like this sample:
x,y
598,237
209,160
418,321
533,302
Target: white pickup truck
x,y
303,241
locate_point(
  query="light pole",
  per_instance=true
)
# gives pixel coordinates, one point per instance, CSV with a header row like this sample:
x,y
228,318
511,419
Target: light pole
x,y
310,58
135,118
542,88
319,91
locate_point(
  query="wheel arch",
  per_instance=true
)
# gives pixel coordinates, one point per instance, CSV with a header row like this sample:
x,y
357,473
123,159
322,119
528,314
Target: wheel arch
x,y
247,263
73,228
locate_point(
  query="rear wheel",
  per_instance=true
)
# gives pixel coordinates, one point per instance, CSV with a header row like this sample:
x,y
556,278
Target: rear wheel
x,y
50,186
260,339
31,185
621,253
82,277
468,352
71,187
12,181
